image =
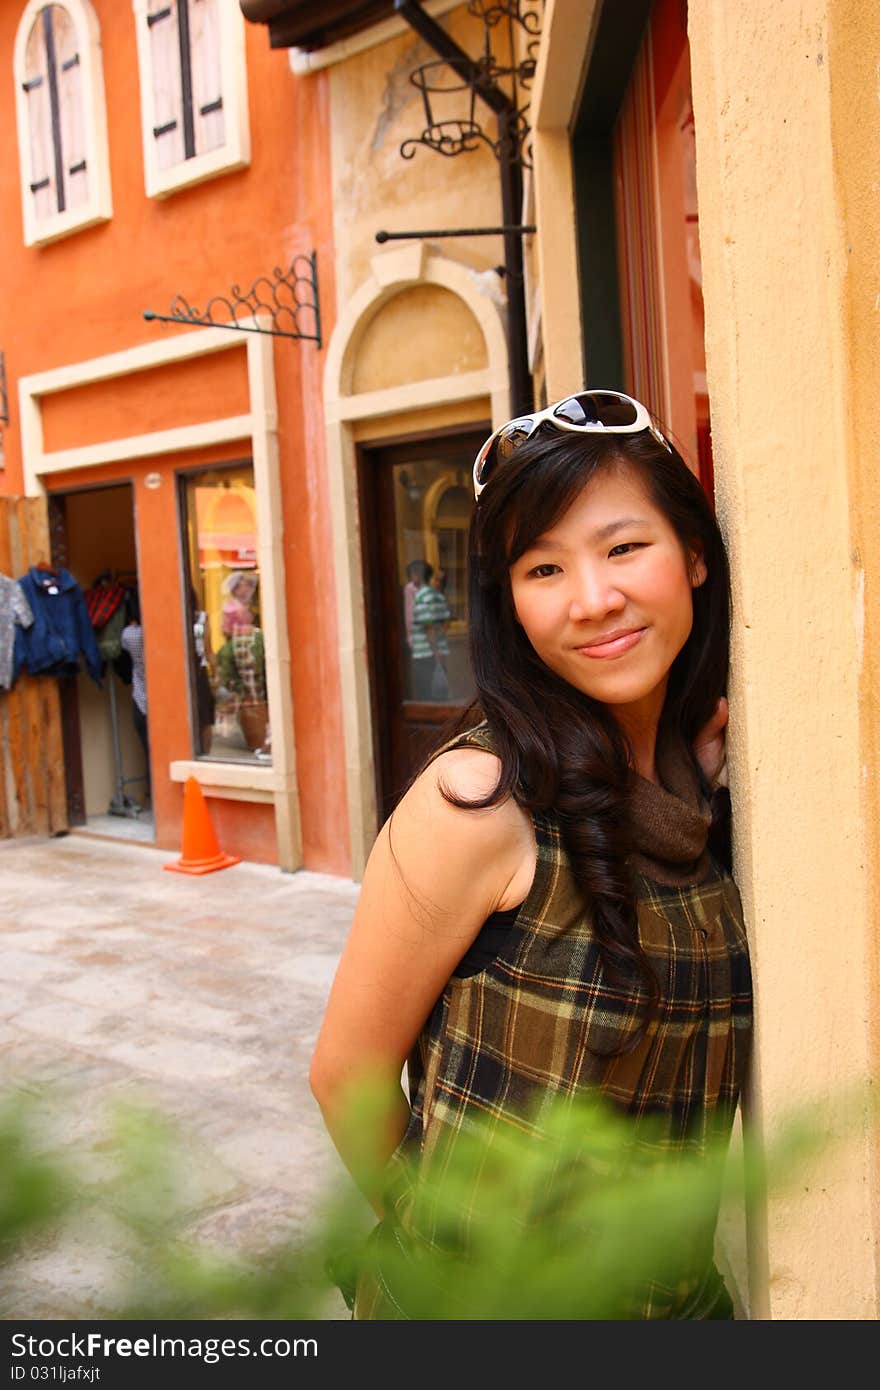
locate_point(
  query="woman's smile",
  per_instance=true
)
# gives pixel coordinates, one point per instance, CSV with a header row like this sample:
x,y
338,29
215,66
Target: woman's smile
x,y
612,645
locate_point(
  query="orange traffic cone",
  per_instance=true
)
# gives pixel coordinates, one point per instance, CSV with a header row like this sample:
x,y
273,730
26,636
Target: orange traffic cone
x,y
200,852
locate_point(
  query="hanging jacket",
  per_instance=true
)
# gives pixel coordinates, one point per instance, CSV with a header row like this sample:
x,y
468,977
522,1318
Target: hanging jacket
x,y
103,599
14,610
61,633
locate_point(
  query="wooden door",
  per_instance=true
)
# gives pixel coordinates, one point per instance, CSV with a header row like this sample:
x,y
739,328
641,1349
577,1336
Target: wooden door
x,y
32,782
416,500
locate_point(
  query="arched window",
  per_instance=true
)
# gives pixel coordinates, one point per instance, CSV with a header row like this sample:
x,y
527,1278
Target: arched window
x,y
62,120
193,90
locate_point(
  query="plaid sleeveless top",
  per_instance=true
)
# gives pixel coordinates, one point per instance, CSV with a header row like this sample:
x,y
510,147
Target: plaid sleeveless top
x,y
537,1017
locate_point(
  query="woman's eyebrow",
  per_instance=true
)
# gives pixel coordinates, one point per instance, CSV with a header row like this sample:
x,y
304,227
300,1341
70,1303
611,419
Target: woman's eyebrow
x,y
602,534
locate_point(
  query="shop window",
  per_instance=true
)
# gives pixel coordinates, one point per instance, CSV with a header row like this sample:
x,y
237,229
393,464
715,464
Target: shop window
x,y
223,605
62,120
193,91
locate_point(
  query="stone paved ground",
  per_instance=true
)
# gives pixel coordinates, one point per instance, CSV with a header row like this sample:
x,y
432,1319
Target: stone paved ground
x,y
201,997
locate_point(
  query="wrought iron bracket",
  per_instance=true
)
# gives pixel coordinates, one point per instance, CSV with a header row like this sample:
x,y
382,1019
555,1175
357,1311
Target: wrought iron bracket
x,y
4,397
509,228
290,299
483,77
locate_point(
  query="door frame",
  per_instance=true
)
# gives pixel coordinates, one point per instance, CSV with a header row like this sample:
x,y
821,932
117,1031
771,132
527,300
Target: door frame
x,y
56,501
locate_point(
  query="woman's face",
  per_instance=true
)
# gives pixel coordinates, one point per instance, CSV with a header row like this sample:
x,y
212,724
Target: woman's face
x,y
605,597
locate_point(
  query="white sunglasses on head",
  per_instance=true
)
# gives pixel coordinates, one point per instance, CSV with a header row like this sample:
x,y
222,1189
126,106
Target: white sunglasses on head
x,y
588,412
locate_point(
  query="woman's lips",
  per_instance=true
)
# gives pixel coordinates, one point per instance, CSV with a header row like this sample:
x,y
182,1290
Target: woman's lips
x,y
614,648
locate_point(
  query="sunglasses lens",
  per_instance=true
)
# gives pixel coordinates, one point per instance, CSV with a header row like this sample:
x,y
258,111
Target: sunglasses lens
x,y
577,410
597,408
485,461
514,434
500,446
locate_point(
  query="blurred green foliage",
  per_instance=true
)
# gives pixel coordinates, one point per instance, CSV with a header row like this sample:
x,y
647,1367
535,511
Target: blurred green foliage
x,y
562,1227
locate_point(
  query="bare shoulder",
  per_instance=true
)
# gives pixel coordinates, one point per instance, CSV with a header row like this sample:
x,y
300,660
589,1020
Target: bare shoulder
x,y
494,845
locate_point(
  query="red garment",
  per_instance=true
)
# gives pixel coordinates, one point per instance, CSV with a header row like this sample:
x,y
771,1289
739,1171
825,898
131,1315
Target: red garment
x,y
102,601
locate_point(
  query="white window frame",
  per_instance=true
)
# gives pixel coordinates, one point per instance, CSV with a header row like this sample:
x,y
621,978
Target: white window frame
x,y
98,207
235,153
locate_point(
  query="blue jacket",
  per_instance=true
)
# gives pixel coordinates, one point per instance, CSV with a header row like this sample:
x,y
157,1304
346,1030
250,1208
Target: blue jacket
x,y
61,631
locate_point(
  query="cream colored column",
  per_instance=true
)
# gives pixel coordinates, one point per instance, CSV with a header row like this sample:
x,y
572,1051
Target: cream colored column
x,y
270,555
568,30
790,473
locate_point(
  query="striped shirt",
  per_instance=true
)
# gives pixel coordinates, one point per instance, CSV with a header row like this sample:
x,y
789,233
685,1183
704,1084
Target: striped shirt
x,y
429,608
133,642
537,1018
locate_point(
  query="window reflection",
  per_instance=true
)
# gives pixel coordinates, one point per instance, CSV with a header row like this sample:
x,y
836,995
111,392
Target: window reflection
x,y
433,510
227,655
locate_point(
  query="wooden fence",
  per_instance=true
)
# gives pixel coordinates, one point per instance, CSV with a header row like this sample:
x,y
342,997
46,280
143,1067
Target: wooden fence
x,y
33,797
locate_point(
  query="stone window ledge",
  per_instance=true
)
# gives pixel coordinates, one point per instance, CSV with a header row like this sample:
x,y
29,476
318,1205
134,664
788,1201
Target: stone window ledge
x,y
231,781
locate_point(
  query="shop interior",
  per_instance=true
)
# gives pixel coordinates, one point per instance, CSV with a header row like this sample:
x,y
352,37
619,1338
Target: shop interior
x,y
101,550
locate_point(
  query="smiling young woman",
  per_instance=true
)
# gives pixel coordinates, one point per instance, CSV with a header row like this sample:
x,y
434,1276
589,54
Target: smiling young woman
x,y
605,599
552,917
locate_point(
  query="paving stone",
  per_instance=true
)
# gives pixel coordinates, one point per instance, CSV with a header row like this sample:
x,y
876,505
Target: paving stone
x,y
196,1000
63,1021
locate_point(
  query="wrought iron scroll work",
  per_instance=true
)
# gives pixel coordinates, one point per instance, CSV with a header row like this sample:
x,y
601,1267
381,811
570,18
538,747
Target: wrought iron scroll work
x,y
290,300
491,12
459,136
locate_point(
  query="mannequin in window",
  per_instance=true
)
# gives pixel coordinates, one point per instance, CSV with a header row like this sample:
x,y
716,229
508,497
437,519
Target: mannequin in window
x,y
237,614
241,661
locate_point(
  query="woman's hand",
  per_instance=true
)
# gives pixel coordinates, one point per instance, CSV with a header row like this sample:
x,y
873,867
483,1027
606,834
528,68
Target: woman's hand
x,y
710,746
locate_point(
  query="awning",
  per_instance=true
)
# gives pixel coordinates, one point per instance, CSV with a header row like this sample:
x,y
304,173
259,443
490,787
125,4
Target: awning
x,y
303,24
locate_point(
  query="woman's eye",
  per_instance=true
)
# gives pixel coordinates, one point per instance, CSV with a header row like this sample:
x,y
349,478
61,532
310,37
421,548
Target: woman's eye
x,y
625,546
540,571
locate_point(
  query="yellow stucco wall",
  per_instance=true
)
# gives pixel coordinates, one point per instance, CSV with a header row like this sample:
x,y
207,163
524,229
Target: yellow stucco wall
x,y
395,347
854,72
787,223
374,108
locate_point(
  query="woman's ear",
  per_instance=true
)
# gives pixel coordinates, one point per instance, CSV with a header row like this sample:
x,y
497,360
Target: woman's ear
x,y
697,568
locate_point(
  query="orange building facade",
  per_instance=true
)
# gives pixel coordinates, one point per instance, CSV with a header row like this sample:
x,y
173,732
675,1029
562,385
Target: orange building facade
x,y
154,153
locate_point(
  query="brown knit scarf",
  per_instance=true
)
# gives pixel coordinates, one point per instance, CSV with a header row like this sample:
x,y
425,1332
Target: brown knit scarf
x,y
670,822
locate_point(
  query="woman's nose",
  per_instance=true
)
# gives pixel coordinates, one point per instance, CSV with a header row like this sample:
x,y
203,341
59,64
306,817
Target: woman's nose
x,y
594,595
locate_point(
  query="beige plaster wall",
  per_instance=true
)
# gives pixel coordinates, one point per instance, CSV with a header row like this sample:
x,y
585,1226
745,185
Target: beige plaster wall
x,y
422,332
384,428
787,224
854,74
373,109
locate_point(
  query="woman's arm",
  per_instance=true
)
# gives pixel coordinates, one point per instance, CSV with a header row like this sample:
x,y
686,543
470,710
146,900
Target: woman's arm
x,y
419,910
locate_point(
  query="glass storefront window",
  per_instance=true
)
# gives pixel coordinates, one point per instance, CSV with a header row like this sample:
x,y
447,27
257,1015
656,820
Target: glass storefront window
x,y
227,665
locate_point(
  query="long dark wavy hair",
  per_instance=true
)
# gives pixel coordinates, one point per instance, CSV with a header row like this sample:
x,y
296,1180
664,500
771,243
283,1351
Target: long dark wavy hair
x,y
562,751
